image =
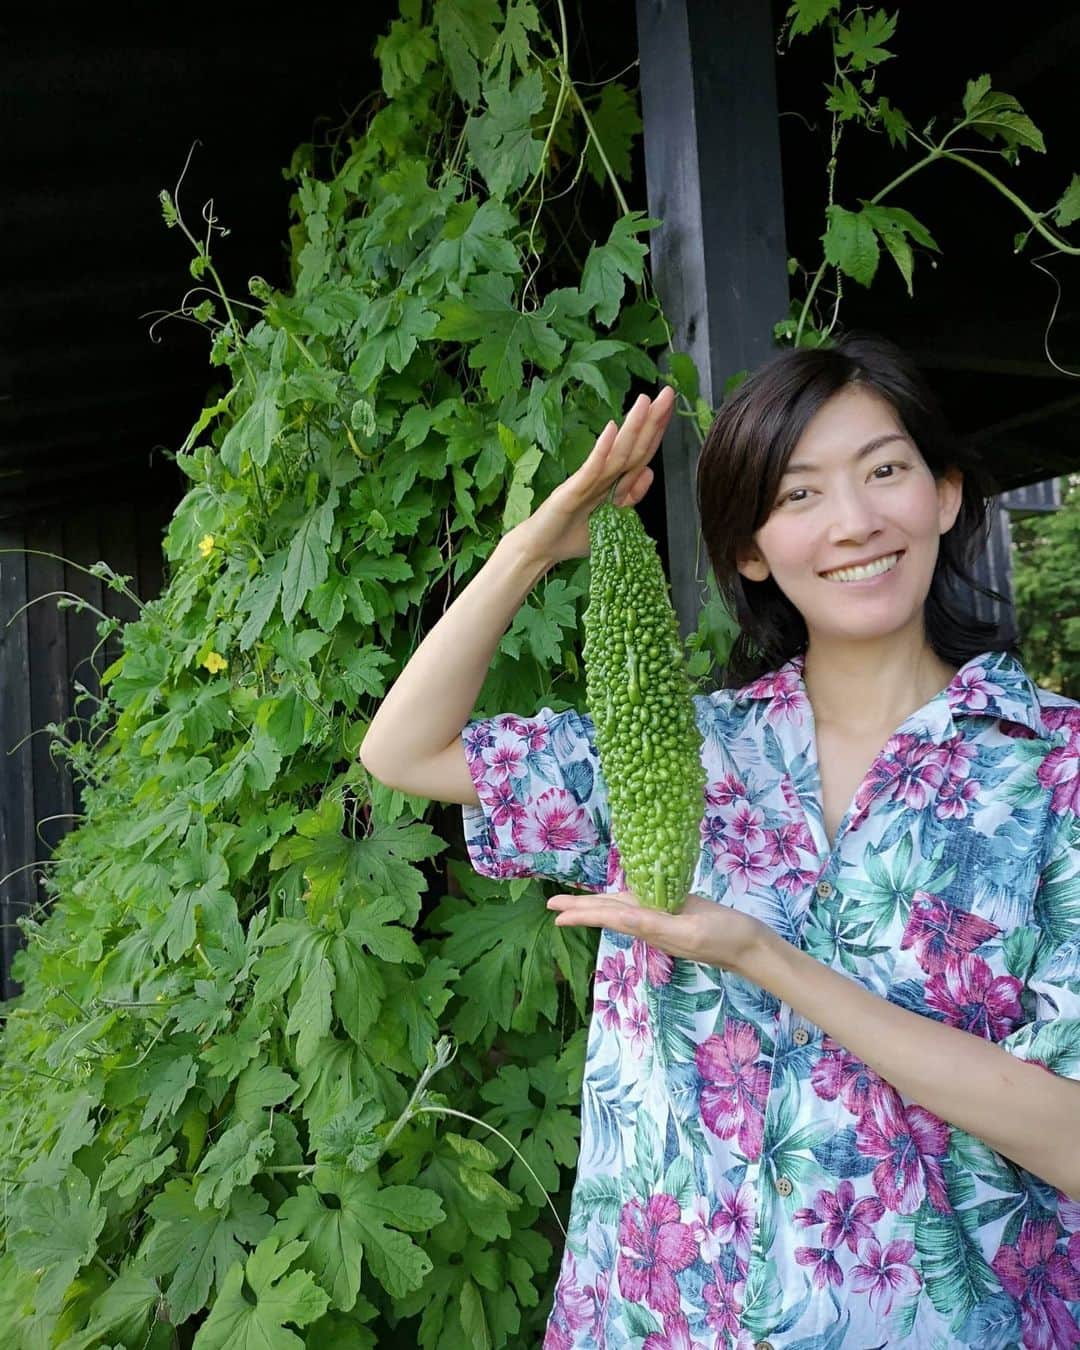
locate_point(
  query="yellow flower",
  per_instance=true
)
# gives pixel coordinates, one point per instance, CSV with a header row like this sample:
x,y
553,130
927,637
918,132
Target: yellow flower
x,y
206,545
214,663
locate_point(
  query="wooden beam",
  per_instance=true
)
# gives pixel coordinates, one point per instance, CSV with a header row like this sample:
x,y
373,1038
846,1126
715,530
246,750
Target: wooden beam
x,y
712,162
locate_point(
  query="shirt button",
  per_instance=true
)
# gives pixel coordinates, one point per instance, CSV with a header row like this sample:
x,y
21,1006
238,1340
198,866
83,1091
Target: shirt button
x,y
824,889
783,1186
800,1035
763,1345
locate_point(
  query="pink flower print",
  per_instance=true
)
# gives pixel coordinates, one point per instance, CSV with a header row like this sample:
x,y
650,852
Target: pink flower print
x,y
725,1304
533,733
789,702
845,1218
653,1247
501,801
476,738
726,791
556,822
1060,770
919,770
656,964
505,756
955,798
956,757
826,1267
784,845
910,1143
733,1221
572,1310
795,881
736,1082
1043,1280
675,1336
970,690
745,868
971,997
636,1026
883,1274
839,1074
730,1225
608,1013
621,978
937,930
744,825
1063,716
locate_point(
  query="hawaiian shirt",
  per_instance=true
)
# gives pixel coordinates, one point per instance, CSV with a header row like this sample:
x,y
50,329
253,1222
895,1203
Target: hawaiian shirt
x,y
743,1180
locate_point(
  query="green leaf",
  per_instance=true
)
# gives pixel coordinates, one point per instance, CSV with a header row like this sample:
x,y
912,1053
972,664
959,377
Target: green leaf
x,y
609,266
843,100
806,15
466,33
546,1135
616,121
954,1270
260,1086
139,1164
519,496
1068,208
895,123
502,335
404,53
232,1161
500,139
53,1232
237,1322
308,564
368,1223
999,116
851,244
863,40
121,1312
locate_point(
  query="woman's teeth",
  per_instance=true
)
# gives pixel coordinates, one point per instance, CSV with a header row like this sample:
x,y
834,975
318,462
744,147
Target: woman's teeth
x,y
863,573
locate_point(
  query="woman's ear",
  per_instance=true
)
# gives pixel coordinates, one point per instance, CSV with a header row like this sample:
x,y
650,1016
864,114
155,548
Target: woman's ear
x,y
752,565
950,487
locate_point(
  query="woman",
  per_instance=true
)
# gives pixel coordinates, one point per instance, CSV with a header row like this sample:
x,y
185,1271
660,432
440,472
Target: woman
x,y
833,1102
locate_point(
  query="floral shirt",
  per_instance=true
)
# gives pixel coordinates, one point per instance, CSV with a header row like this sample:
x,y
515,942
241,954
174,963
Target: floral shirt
x,y
743,1180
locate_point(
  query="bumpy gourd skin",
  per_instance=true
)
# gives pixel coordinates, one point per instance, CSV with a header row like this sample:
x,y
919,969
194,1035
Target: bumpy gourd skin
x,y
638,692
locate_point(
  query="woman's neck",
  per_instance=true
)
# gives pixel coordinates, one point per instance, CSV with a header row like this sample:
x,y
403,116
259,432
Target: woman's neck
x,y
872,687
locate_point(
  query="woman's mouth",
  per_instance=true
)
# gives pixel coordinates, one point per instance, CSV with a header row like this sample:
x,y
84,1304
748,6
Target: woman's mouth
x,y
866,571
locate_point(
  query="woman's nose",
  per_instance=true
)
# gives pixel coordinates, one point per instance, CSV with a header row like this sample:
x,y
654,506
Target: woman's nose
x,y
854,518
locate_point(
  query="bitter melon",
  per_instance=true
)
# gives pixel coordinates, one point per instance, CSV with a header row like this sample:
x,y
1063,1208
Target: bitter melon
x,y
638,693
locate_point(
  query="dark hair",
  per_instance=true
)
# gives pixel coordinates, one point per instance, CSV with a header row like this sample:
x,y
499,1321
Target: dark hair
x,y
743,459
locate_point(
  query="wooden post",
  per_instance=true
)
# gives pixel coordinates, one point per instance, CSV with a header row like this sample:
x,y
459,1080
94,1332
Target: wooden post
x,y
719,261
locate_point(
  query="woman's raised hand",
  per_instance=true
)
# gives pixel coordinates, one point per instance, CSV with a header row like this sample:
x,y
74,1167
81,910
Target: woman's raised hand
x,y
559,527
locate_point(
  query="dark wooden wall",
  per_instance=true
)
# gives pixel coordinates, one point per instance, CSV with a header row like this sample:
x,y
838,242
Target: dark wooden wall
x,y
45,656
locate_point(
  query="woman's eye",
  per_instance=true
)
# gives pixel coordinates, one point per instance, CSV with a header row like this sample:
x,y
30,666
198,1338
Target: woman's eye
x,y
886,470
795,495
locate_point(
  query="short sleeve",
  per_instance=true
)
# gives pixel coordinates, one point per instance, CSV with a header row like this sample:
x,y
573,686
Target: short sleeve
x,y
543,803
1052,1037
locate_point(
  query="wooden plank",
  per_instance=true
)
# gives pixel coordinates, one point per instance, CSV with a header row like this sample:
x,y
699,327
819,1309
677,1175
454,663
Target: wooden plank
x,y
16,780
151,524
50,689
712,161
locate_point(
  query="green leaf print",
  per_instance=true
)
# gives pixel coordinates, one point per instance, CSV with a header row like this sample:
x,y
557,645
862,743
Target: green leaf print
x,y
954,1270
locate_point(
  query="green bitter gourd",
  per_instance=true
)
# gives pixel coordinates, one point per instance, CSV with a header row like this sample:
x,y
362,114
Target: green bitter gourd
x,y
639,695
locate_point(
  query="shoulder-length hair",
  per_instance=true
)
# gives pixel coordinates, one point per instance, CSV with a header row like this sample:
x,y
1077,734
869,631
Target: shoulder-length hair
x,y
744,456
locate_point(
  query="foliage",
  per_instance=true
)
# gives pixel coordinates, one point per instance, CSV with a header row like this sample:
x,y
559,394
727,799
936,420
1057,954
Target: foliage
x,y
991,124
226,1101
226,1093
1046,562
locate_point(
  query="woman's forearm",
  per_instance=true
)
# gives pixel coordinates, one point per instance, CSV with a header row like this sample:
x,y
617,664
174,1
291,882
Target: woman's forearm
x,y
1020,1110
434,695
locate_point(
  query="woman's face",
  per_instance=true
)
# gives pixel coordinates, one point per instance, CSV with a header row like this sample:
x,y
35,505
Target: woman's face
x,y
853,536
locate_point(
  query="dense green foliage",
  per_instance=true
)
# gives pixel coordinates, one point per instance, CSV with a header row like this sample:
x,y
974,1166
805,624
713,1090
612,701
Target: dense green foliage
x,y
1046,565
638,692
228,1112
231,1110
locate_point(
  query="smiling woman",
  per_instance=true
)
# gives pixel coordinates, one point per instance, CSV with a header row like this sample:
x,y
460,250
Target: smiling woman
x,y
834,1099
872,448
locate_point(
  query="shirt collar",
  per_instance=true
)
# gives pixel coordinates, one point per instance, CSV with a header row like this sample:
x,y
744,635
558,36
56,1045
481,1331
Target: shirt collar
x,y
993,684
